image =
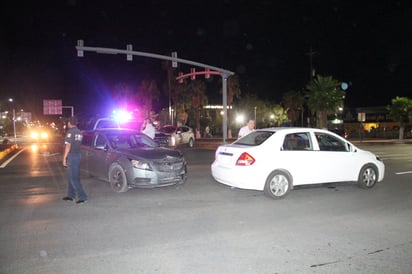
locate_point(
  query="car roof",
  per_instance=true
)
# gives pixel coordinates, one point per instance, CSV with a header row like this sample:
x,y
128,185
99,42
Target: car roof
x,y
114,130
295,129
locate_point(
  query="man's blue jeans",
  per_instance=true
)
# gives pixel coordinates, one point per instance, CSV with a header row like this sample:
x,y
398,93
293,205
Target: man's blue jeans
x,y
75,188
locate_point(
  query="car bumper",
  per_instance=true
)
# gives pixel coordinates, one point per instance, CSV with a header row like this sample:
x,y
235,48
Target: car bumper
x,y
151,179
237,177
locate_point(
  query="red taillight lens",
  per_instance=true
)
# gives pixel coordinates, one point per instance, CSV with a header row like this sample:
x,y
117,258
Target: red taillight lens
x,y
245,160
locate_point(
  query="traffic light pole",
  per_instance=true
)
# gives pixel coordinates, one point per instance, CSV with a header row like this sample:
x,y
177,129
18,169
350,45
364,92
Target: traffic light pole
x,y
130,53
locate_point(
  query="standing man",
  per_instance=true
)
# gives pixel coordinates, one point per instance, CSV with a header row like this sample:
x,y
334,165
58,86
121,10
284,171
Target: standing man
x,y
245,130
71,160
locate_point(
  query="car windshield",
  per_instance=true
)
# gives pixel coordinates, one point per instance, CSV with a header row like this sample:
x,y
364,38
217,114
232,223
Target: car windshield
x,y
167,129
254,138
130,140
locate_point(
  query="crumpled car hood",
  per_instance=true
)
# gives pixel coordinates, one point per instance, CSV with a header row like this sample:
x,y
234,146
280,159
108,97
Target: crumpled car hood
x,y
152,153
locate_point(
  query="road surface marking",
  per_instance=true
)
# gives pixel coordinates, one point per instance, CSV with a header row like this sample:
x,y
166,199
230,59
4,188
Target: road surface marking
x,y
11,159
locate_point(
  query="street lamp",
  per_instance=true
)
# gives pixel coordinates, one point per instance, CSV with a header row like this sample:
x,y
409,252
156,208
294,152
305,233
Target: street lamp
x,y
14,120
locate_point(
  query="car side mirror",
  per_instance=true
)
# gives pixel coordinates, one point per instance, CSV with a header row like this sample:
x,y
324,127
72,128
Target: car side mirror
x,y
351,148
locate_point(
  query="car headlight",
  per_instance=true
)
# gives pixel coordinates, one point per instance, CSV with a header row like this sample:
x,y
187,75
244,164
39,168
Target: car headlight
x,y
141,165
44,135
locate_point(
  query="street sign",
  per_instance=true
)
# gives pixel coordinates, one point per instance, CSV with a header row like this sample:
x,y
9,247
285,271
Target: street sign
x,y
52,107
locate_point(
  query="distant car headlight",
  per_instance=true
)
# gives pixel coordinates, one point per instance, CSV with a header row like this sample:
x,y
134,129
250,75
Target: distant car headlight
x,y
34,134
39,135
141,165
172,141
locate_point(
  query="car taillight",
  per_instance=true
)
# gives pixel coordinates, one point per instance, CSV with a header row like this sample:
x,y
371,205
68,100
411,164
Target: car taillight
x,y
245,160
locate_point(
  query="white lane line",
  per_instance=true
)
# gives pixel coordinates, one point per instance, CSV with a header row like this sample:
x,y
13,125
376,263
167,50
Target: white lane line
x,y
11,158
403,172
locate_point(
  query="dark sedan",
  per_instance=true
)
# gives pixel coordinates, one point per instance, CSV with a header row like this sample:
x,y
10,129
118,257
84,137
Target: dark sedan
x,y
127,158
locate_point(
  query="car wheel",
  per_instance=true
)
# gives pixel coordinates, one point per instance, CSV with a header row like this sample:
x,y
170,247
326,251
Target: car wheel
x,y
368,176
117,178
277,184
191,142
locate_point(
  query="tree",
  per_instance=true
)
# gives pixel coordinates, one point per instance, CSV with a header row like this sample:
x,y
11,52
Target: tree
x,y
401,110
147,92
280,115
294,101
324,96
233,90
252,107
197,91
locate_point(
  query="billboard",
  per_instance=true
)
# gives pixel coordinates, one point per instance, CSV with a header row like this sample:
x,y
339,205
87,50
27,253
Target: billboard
x,y
52,107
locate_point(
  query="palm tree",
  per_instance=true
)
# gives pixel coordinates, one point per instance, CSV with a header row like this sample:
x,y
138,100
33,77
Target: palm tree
x,y
294,101
401,110
324,96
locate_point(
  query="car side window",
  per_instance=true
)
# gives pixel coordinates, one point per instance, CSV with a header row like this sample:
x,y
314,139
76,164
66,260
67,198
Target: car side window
x,y
297,141
87,140
330,143
100,141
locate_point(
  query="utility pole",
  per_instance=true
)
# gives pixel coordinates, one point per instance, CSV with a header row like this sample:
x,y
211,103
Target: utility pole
x,y
311,53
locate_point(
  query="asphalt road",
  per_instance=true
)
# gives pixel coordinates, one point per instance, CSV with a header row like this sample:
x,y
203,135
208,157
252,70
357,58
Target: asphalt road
x,y
203,226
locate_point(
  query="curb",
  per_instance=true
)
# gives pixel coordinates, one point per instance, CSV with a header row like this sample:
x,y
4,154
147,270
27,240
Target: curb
x,y
6,149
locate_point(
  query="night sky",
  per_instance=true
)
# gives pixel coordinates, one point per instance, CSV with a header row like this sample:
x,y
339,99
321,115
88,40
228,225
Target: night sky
x,y
266,43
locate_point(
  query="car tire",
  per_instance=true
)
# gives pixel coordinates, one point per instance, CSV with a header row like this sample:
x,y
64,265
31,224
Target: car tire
x,y
117,178
191,142
368,176
278,184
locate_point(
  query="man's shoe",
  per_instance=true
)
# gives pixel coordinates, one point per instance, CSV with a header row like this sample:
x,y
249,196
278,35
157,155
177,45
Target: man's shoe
x,y
67,198
79,202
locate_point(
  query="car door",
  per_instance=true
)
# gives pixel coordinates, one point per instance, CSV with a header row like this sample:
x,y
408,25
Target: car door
x,y
298,159
97,156
179,136
335,160
185,135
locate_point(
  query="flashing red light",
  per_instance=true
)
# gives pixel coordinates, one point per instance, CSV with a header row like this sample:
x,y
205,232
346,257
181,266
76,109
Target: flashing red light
x,y
245,160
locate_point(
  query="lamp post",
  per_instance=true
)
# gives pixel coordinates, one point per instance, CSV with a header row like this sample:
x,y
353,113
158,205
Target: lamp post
x,y
14,120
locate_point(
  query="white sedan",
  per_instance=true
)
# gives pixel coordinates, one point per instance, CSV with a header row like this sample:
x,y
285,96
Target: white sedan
x,y
274,160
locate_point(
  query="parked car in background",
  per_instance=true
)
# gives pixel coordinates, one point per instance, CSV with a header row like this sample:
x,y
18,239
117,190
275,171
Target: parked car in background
x,y
340,131
173,136
127,158
274,160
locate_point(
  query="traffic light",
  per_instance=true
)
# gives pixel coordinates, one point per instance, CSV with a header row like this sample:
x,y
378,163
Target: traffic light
x,y
80,53
129,57
174,63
